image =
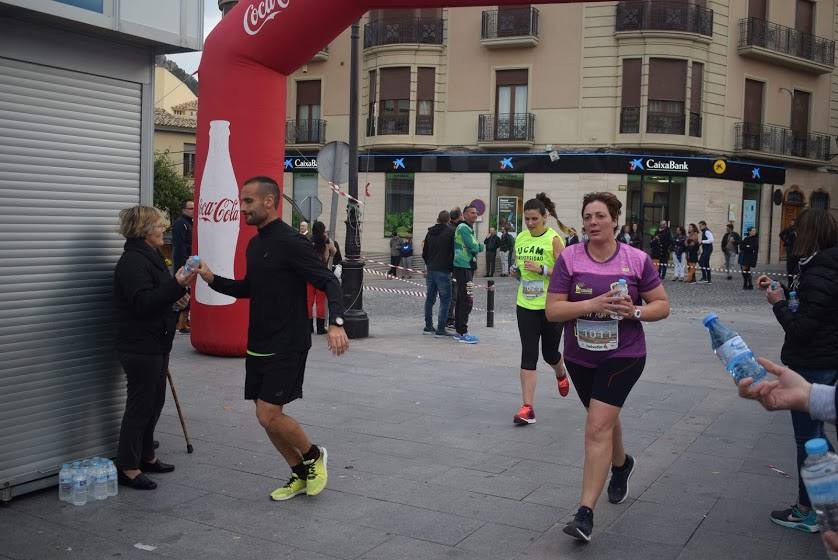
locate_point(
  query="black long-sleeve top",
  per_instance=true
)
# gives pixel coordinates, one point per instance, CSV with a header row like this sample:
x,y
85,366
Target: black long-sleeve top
x,y
279,263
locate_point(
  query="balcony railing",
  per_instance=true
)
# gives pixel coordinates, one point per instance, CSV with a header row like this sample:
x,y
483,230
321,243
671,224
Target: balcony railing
x,y
426,31
695,125
665,117
630,120
518,127
781,140
305,132
660,15
424,125
394,124
755,32
513,22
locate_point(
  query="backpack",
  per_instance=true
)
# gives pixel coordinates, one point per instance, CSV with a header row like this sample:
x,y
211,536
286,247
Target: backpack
x,y
406,249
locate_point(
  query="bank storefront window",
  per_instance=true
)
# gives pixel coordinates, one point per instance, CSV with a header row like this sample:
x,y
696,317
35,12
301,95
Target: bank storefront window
x,y
750,208
507,201
655,198
398,204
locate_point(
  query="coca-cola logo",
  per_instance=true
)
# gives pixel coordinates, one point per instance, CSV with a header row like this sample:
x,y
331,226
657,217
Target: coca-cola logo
x,y
256,16
219,211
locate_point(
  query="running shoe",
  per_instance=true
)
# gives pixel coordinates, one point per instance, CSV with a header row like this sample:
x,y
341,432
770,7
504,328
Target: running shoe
x,y
793,518
468,339
526,415
582,524
564,385
618,487
317,475
294,487
443,334
428,330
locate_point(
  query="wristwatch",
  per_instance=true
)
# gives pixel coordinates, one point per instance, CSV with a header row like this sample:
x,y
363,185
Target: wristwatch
x,y
337,321
637,313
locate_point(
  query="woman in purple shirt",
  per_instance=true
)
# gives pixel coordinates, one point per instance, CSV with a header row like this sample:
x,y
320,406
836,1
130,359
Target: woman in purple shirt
x,y
605,348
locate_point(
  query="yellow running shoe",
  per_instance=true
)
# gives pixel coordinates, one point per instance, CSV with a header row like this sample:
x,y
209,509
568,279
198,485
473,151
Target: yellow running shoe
x,y
317,474
294,487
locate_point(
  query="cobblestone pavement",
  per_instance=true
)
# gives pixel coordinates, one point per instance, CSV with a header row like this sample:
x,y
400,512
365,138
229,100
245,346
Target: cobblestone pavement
x,y
425,462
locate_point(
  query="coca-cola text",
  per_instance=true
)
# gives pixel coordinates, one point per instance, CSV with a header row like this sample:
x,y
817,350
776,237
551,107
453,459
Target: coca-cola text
x,y
258,14
219,211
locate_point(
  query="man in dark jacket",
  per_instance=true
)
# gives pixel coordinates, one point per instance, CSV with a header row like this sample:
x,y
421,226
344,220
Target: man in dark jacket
x,y
181,249
788,236
730,247
279,263
492,243
438,254
664,237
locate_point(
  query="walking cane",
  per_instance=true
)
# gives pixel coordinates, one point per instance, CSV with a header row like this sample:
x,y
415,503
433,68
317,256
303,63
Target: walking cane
x,y
179,413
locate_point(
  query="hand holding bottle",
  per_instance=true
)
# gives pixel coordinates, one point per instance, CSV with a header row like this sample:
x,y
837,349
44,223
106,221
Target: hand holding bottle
x,y
206,273
184,277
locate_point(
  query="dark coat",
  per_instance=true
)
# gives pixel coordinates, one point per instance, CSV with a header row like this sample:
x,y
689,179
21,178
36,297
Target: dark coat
x,y
748,250
144,292
181,241
812,332
438,249
492,242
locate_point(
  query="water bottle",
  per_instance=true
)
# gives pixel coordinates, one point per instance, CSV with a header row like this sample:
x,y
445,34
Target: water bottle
x,y
732,351
622,286
65,483
774,285
192,263
87,469
79,496
820,475
113,486
100,486
794,303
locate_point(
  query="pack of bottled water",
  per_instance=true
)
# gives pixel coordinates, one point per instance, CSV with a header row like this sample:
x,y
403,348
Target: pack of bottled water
x,y
87,480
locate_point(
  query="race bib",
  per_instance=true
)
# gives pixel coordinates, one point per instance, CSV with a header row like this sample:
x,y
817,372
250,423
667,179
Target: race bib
x,y
597,336
532,288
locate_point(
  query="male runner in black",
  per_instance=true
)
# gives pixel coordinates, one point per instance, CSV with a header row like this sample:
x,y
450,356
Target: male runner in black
x,y
279,263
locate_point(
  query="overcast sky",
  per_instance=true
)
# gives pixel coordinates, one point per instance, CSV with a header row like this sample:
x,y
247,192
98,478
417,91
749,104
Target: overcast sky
x,y
189,61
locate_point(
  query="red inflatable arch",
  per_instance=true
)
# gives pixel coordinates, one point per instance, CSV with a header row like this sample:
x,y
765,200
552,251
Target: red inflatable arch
x,y
243,75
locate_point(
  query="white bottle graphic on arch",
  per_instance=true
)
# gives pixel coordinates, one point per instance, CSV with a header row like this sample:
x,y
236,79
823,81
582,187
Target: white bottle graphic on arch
x,y
218,214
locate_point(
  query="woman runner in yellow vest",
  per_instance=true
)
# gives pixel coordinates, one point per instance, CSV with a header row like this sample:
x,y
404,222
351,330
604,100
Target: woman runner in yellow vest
x,y
536,251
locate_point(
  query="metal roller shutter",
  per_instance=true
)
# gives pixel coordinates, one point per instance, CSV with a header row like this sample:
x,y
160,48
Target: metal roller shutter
x,y
69,161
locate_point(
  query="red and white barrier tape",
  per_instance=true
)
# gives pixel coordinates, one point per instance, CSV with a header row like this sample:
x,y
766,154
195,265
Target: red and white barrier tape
x,y
420,272
337,189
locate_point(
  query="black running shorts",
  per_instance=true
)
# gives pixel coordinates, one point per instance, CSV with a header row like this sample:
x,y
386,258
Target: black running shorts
x,y
610,382
532,326
276,379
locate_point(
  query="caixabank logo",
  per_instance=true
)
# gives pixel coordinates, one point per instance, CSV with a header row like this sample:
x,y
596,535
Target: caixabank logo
x,y
652,164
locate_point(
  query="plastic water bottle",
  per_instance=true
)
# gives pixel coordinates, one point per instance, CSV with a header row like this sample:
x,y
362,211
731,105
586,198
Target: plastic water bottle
x,y
100,486
732,351
65,483
192,263
794,303
87,468
820,475
774,284
113,486
622,286
79,496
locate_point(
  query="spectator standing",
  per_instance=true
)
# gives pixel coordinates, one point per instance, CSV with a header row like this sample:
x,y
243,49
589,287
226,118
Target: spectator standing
x,y
693,246
507,243
625,234
406,252
181,249
707,241
492,244
395,254
748,250
730,247
466,249
679,250
438,254
788,236
636,236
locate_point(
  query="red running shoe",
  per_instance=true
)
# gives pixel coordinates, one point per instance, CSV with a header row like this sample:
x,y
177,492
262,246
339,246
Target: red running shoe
x,y
564,385
525,416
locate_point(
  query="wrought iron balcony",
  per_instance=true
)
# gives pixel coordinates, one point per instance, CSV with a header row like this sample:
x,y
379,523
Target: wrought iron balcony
x,y
665,117
424,125
398,123
765,40
510,27
426,31
630,120
518,127
661,15
305,132
782,141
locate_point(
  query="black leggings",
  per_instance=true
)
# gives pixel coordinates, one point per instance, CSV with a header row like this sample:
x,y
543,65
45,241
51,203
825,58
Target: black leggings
x,y
146,375
610,382
532,325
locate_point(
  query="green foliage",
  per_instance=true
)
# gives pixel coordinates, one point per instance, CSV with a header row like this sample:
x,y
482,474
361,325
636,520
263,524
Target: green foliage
x,y
171,188
401,222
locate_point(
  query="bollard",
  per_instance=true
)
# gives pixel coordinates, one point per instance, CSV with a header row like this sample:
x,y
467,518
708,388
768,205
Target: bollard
x,y
490,304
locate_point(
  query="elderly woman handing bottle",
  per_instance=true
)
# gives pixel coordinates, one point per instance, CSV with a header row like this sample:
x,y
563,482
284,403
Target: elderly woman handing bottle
x,y
147,300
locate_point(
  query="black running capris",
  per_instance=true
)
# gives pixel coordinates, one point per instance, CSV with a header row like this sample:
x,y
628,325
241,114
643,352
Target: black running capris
x,y
532,325
610,382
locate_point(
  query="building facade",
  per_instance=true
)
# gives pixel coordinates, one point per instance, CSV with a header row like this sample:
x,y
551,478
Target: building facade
x,y
175,120
688,110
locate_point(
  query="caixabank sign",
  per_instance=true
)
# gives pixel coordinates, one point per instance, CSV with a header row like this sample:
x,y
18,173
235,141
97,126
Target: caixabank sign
x,y
617,163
